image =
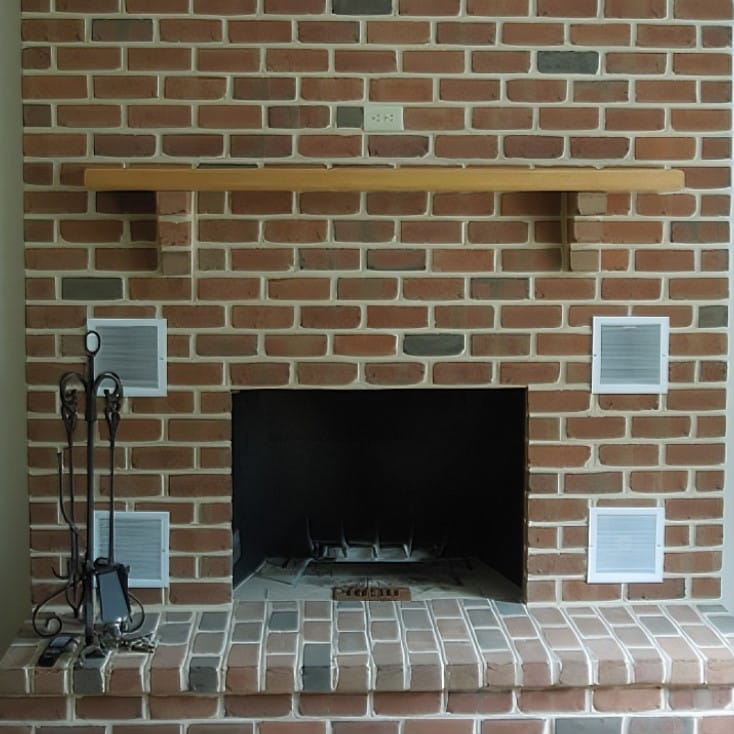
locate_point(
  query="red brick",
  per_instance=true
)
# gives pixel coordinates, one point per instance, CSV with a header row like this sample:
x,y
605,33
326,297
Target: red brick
x,y
330,317
462,373
433,62
295,345
365,344
299,727
558,455
400,90
185,30
334,31
498,62
462,33
332,90
666,90
536,90
326,373
694,454
54,86
261,373
295,230
567,8
262,317
396,317
142,58
364,727
463,146
395,373
262,259
565,118
88,116
702,63
117,707
525,373
228,288
533,34
203,88
367,288
154,116
226,345
635,9
296,60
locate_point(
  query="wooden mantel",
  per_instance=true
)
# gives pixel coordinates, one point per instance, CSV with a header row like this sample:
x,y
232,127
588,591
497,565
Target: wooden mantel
x,y
368,178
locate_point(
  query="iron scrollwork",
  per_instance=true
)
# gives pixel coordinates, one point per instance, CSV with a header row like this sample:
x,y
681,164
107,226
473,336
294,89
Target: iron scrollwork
x,y
81,567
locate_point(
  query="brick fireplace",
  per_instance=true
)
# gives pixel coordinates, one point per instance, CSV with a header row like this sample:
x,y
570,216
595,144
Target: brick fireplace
x,y
378,290
382,290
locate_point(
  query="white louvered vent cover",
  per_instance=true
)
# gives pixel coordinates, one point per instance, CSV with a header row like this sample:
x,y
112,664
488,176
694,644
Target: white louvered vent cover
x,y
141,542
135,349
630,354
625,544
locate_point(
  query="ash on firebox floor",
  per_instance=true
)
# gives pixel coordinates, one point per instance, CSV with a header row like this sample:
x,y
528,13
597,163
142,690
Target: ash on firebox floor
x,y
280,579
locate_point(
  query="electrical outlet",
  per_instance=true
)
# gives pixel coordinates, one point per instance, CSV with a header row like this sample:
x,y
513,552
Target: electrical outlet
x,y
383,117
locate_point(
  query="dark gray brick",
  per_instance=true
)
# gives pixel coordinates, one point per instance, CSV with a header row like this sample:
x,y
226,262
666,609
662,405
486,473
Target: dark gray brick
x,y
723,622
416,619
283,621
91,289
208,643
482,618
178,616
316,669
174,634
361,7
511,608
89,677
122,29
601,725
433,345
500,288
710,317
659,625
203,674
568,62
350,117
214,621
491,639
247,632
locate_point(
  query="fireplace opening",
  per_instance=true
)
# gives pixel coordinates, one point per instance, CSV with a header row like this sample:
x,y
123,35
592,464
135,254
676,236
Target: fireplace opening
x,y
368,478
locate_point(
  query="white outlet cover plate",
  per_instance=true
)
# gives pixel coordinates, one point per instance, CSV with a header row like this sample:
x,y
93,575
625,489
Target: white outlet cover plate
x,y
383,117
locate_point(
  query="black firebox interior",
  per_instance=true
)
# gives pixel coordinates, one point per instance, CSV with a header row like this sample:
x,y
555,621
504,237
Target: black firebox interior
x,y
435,473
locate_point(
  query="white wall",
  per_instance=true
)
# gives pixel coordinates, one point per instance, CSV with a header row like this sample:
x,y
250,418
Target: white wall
x,y
14,563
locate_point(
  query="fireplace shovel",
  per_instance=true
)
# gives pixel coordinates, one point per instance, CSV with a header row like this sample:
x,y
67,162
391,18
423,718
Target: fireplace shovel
x,y
112,577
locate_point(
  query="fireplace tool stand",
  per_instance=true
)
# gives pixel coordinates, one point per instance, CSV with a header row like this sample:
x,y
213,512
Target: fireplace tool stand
x,y
106,619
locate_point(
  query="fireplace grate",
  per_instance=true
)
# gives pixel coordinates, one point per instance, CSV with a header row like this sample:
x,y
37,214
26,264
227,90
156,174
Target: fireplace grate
x,y
375,545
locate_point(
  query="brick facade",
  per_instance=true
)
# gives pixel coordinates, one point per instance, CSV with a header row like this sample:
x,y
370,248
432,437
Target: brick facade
x,y
312,289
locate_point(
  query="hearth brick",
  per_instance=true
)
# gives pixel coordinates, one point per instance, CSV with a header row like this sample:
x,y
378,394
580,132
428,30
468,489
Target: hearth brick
x,y
659,640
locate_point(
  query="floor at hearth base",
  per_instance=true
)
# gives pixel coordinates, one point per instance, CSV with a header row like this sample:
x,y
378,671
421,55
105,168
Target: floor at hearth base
x,y
291,579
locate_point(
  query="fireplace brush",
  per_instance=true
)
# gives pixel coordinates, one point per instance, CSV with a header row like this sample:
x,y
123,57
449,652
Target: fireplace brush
x,y
84,572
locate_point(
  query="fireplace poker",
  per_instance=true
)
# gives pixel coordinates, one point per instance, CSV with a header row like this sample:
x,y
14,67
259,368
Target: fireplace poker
x,y
112,577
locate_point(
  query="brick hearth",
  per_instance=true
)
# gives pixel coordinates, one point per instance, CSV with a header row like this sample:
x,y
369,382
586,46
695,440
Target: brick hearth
x,y
455,666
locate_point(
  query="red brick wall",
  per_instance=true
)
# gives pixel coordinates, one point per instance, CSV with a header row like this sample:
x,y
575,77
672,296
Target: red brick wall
x,y
288,290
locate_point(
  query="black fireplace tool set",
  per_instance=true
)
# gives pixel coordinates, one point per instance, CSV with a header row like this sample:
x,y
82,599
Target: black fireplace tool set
x,y
95,589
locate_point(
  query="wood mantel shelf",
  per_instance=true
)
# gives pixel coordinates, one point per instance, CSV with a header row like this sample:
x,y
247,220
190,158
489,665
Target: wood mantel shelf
x,y
367,178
